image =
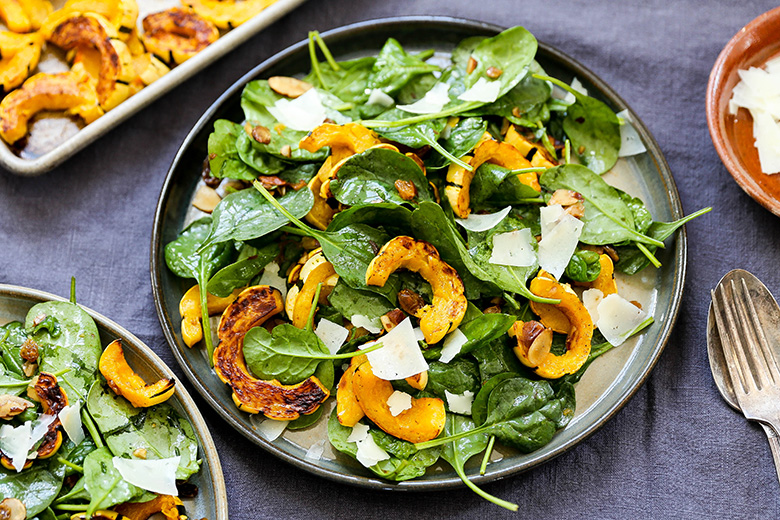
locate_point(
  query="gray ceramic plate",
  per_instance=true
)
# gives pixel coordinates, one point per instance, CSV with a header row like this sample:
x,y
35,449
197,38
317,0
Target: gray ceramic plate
x,y
211,501
607,385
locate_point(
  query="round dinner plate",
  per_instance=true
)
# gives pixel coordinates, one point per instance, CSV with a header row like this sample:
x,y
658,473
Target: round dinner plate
x,y
211,500
607,385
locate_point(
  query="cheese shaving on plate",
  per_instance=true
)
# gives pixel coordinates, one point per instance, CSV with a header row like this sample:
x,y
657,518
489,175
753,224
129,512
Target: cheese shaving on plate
x,y
155,475
433,101
400,355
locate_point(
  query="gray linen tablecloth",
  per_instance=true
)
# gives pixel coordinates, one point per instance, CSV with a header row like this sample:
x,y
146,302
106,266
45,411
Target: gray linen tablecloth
x,y
675,451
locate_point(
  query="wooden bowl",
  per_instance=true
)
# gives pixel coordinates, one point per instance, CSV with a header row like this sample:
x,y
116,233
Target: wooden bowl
x,y
752,46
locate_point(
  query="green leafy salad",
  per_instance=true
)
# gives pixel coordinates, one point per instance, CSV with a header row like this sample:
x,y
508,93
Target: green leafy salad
x,y
428,239
71,447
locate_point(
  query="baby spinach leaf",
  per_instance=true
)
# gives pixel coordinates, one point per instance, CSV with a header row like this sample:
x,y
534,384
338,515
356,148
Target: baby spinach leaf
x,y
286,354
77,347
350,302
348,83
463,137
631,260
256,160
240,273
12,335
459,451
246,215
386,214
607,220
394,67
224,157
370,177
405,462
256,97
511,51
492,179
496,358
106,486
484,329
584,266
36,487
160,430
593,128
642,216
415,135
183,255
457,376
289,354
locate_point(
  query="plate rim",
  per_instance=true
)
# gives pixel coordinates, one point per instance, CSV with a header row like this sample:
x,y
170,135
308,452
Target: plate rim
x,y
679,258
208,447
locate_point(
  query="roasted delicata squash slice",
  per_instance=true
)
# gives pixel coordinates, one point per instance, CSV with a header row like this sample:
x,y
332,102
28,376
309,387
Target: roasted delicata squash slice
x,y
22,16
322,274
254,306
53,399
71,92
177,35
533,348
148,68
189,308
19,54
487,151
348,410
321,212
227,14
100,514
422,422
170,507
535,153
125,382
605,281
343,140
120,14
109,61
449,304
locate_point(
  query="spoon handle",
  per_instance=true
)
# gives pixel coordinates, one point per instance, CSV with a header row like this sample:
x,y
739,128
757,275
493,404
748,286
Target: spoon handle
x,y
774,446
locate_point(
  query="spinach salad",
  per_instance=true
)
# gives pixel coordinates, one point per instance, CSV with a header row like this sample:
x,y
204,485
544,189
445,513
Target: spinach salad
x,y
70,445
429,241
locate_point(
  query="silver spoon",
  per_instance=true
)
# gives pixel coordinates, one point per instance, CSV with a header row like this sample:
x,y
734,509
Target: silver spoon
x,y
718,367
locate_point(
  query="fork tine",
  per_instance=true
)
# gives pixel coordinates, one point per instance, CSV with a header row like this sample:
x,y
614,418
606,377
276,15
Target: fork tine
x,y
756,365
763,353
737,345
733,366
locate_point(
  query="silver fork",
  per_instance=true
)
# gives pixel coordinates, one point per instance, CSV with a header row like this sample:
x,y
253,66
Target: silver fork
x,y
752,366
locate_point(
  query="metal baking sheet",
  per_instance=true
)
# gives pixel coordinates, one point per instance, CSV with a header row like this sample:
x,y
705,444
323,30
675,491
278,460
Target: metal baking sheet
x,y
81,138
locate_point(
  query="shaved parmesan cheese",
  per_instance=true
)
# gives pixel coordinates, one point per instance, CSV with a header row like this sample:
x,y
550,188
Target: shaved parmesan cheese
x,y
549,217
479,223
399,402
558,244
452,345
303,113
272,279
316,450
514,248
40,427
271,429
630,142
70,417
433,101
15,443
400,355
418,334
332,334
591,299
359,432
483,91
374,326
460,403
577,86
377,97
618,318
368,453
155,475
759,92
